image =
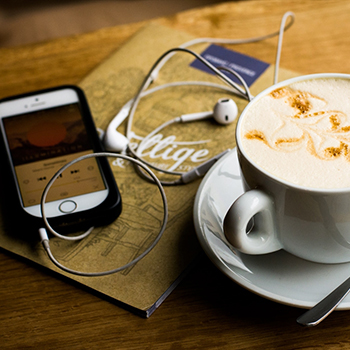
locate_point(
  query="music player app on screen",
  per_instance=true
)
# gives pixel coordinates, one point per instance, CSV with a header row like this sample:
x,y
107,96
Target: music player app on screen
x,y
41,143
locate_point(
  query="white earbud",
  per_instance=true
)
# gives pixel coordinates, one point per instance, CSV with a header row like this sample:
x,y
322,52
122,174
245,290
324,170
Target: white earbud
x,y
113,140
225,112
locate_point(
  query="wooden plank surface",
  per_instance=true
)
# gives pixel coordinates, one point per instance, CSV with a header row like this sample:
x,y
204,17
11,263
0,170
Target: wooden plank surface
x,y
207,310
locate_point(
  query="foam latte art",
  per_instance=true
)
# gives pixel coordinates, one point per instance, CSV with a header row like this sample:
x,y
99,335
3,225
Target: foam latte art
x,y
301,133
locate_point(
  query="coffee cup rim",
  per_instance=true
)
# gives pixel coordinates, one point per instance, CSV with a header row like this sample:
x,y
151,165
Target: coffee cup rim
x,y
266,92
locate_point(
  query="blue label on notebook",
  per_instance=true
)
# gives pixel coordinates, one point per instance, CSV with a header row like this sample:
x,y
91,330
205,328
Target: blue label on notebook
x,y
247,67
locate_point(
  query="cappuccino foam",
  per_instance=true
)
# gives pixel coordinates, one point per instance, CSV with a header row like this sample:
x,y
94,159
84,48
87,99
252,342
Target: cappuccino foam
x,y
301,133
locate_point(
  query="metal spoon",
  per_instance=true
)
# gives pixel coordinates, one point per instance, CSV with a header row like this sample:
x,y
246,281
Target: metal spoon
x,y
321,310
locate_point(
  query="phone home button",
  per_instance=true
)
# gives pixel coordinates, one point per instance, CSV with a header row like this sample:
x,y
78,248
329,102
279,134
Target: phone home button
x,y
67,206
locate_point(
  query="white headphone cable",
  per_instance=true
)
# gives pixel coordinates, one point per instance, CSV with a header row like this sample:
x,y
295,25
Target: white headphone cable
x,y
244,93
248,95
120,117
283,27
164,58
161,61
199,171
138,96
43,232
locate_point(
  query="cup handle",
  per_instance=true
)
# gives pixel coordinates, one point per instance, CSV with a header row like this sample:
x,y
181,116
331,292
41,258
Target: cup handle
x,y
262,238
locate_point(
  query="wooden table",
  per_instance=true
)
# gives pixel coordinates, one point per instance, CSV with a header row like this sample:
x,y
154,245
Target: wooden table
x,y
207,310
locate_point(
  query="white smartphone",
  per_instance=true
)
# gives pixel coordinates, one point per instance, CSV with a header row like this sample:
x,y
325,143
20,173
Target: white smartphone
x,y
42,131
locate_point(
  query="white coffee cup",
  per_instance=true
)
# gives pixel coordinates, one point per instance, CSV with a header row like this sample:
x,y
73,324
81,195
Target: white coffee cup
x,y
311,223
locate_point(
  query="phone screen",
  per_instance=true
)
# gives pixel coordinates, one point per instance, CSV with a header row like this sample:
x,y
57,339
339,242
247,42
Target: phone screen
x,y
43,141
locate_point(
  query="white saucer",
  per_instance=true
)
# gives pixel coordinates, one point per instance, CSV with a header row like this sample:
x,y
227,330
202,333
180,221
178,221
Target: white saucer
x,y
279,276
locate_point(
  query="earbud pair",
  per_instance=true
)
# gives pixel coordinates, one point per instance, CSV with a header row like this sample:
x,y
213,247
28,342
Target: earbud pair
x,y
225,112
